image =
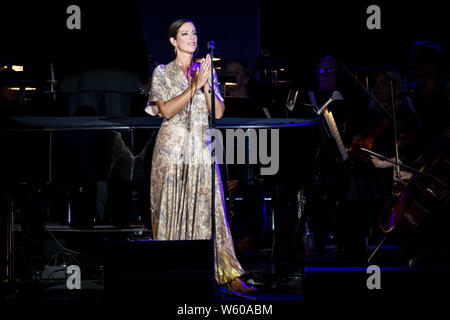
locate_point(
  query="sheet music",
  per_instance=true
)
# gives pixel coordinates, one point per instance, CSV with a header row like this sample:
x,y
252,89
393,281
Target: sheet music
x,y
335,133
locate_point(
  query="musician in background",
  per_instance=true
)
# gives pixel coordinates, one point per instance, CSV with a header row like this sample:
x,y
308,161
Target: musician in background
x,y
370,181
238,68
239,99
348,113
329,171
430,245
240,180
430,97
405,116
328,75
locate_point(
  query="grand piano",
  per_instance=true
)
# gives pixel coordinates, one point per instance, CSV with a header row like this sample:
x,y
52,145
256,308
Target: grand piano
x,y
71,149
76,153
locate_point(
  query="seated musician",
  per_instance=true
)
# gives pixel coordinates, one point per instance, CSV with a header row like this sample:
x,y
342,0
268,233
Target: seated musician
x,y
238,68
430,245
370,184
248,219
348,115
430,102
240,103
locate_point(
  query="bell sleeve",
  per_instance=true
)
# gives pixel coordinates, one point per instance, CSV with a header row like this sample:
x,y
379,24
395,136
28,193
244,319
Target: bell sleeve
x,y
157,92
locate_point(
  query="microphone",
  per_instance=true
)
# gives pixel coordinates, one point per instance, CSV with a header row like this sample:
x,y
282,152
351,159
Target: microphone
x,y
211,45
335,96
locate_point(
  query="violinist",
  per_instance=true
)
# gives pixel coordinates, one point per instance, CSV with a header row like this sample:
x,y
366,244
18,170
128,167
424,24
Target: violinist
x,y
429,244
370,182
430,99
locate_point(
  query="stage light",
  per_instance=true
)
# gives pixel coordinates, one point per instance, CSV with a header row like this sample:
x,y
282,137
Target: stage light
x,y
17,88
227,80
17,68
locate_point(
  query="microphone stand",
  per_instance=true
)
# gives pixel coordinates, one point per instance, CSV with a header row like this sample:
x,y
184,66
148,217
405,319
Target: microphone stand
x,y
212,126
52,82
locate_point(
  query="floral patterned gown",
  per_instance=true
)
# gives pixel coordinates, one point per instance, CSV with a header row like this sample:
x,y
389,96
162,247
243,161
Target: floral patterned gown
x,y
181,173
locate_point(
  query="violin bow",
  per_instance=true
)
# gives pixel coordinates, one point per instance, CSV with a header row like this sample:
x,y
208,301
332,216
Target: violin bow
x,y
366,90
397,158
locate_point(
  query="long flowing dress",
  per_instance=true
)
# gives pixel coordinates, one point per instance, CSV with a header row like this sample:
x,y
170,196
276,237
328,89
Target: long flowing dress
x,y
181,173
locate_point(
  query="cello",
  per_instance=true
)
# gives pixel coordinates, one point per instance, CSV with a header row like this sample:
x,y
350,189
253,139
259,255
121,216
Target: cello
x,y
422,194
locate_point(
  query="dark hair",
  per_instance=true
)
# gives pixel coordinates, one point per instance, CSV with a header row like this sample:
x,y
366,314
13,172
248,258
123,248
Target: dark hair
x,y
174,27
240,62
327,58
393,74
339,75
425,52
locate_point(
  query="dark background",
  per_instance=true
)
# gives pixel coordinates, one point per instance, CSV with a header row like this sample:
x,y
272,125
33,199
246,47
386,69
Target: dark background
x,y
317,28
300,32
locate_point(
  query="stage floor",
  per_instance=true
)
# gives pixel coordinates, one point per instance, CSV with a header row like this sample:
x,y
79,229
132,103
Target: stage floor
x,y
308,278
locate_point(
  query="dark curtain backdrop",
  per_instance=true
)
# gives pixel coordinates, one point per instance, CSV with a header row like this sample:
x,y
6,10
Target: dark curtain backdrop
x,y
232,24
303,31
297,31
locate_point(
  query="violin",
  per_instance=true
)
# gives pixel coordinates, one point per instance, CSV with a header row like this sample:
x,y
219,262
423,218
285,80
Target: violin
x,y
381,123
367,140
364,139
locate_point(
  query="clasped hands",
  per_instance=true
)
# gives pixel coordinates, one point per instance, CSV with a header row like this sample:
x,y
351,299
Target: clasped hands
x,y
202,73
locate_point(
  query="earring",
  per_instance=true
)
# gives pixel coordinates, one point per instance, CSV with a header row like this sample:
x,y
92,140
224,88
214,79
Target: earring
x,y
175,50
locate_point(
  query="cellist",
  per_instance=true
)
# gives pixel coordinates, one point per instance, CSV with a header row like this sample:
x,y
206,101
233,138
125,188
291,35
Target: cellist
x,y
430,243
371,180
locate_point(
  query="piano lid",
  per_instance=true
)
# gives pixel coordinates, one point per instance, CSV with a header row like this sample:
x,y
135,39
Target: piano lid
x,y
108,123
